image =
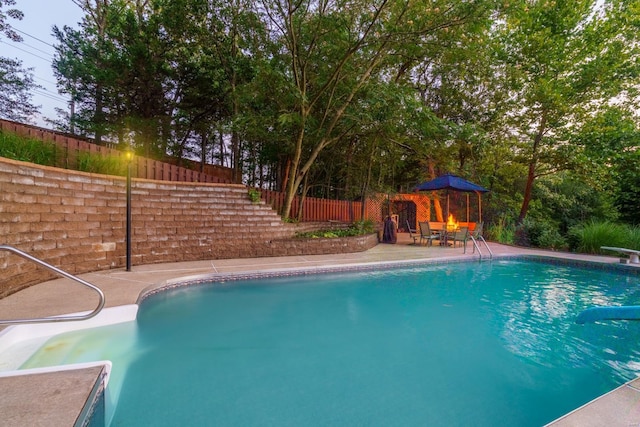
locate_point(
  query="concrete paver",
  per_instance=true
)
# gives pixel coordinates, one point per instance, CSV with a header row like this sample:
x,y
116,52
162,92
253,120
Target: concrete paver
x,y
46,399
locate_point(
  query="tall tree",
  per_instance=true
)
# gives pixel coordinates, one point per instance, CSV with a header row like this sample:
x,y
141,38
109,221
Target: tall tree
x,y
609,150
16,86
16,83
5,14
333,50
564,60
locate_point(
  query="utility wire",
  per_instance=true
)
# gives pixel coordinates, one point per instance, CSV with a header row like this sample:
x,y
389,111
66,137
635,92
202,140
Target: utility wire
x,y
29,35
46,81
51,97
26,51
35,48
50,94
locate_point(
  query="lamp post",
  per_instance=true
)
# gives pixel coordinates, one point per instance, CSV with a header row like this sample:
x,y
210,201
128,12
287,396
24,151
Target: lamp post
x,y
128,231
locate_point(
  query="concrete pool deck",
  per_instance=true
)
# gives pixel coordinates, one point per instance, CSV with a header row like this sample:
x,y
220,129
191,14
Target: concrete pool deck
x,y
621,407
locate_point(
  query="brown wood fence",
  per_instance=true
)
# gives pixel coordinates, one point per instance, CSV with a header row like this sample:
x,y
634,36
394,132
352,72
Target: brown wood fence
x,y
69,150
315,209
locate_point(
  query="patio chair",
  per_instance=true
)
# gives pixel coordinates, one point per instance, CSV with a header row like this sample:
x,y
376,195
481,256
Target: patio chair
x,y
412,235
427,234
460,235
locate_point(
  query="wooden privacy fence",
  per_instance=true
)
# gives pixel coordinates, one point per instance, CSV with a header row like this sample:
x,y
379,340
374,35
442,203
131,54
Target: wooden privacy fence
x,y
314,209
69,151
406,207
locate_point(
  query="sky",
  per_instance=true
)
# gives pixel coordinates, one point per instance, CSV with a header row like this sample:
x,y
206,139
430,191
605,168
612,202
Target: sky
x,y
36,50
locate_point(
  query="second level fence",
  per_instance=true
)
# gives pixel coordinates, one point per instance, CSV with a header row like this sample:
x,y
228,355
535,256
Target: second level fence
x,y
404,207
71,152
314,209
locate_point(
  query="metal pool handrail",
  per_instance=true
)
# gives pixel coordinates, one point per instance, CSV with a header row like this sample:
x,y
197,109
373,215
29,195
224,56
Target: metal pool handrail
x,y
62,273
475,243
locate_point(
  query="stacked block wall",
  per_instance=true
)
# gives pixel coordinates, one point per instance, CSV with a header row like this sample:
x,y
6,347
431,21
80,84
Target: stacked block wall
x,y
77,222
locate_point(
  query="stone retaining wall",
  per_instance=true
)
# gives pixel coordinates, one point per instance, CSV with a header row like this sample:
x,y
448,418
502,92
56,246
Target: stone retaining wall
x,y
77,221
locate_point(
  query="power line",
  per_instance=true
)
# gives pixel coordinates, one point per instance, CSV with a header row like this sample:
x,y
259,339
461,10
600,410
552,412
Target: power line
x,y
26,51
51,96
45,80
51,99
35,48
29,35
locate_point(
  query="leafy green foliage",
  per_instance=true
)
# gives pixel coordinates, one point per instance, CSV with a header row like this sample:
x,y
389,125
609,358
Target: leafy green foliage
x,y
5,27
627,192
345,99
27,149
254,195
356,229
590,236
16,87
108,165
558,57
541,234
502,231
36,151
565,201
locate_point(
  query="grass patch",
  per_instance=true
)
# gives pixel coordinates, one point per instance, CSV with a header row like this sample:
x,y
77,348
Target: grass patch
x,y
31,150
24,149
107,165
590,236
502,231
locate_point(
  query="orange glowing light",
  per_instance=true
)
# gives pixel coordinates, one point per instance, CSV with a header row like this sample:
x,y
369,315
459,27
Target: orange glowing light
x,y
452,224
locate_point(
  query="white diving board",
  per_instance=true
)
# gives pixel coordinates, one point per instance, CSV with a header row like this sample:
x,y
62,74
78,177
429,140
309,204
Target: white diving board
x,y
634,256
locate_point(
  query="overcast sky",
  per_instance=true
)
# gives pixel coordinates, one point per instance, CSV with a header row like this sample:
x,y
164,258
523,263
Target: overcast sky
x,y
36,51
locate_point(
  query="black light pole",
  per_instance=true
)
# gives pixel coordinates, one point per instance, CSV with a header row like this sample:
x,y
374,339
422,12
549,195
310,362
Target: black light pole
x,y
128,232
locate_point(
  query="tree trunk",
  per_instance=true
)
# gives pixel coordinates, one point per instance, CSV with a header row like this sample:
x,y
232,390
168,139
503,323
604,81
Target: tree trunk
x,y
365,187
531,175
437,207
305,189
203,150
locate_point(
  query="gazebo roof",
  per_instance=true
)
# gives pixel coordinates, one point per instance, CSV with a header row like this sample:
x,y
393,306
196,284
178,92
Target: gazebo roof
x,y
450,182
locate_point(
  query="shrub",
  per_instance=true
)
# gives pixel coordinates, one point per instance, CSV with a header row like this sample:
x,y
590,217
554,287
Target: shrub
x,y
541,234
552,239
589,237
254,195
356,229
365,226
502,231
634,238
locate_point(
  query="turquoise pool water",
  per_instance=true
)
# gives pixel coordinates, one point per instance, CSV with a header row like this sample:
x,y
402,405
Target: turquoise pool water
x,y
480,344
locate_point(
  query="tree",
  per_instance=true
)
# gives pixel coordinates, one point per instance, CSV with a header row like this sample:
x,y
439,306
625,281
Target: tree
x,y
16,86
563,61
16,83
332,50
609,159
5,27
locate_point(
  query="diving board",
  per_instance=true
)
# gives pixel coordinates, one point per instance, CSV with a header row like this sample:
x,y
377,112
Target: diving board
x,y
634,256
593,314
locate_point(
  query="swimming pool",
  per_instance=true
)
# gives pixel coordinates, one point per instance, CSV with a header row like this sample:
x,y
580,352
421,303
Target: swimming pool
x,y
451,344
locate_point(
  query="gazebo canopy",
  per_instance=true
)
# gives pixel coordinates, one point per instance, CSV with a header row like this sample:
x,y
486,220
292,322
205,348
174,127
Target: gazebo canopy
x,y
450,182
